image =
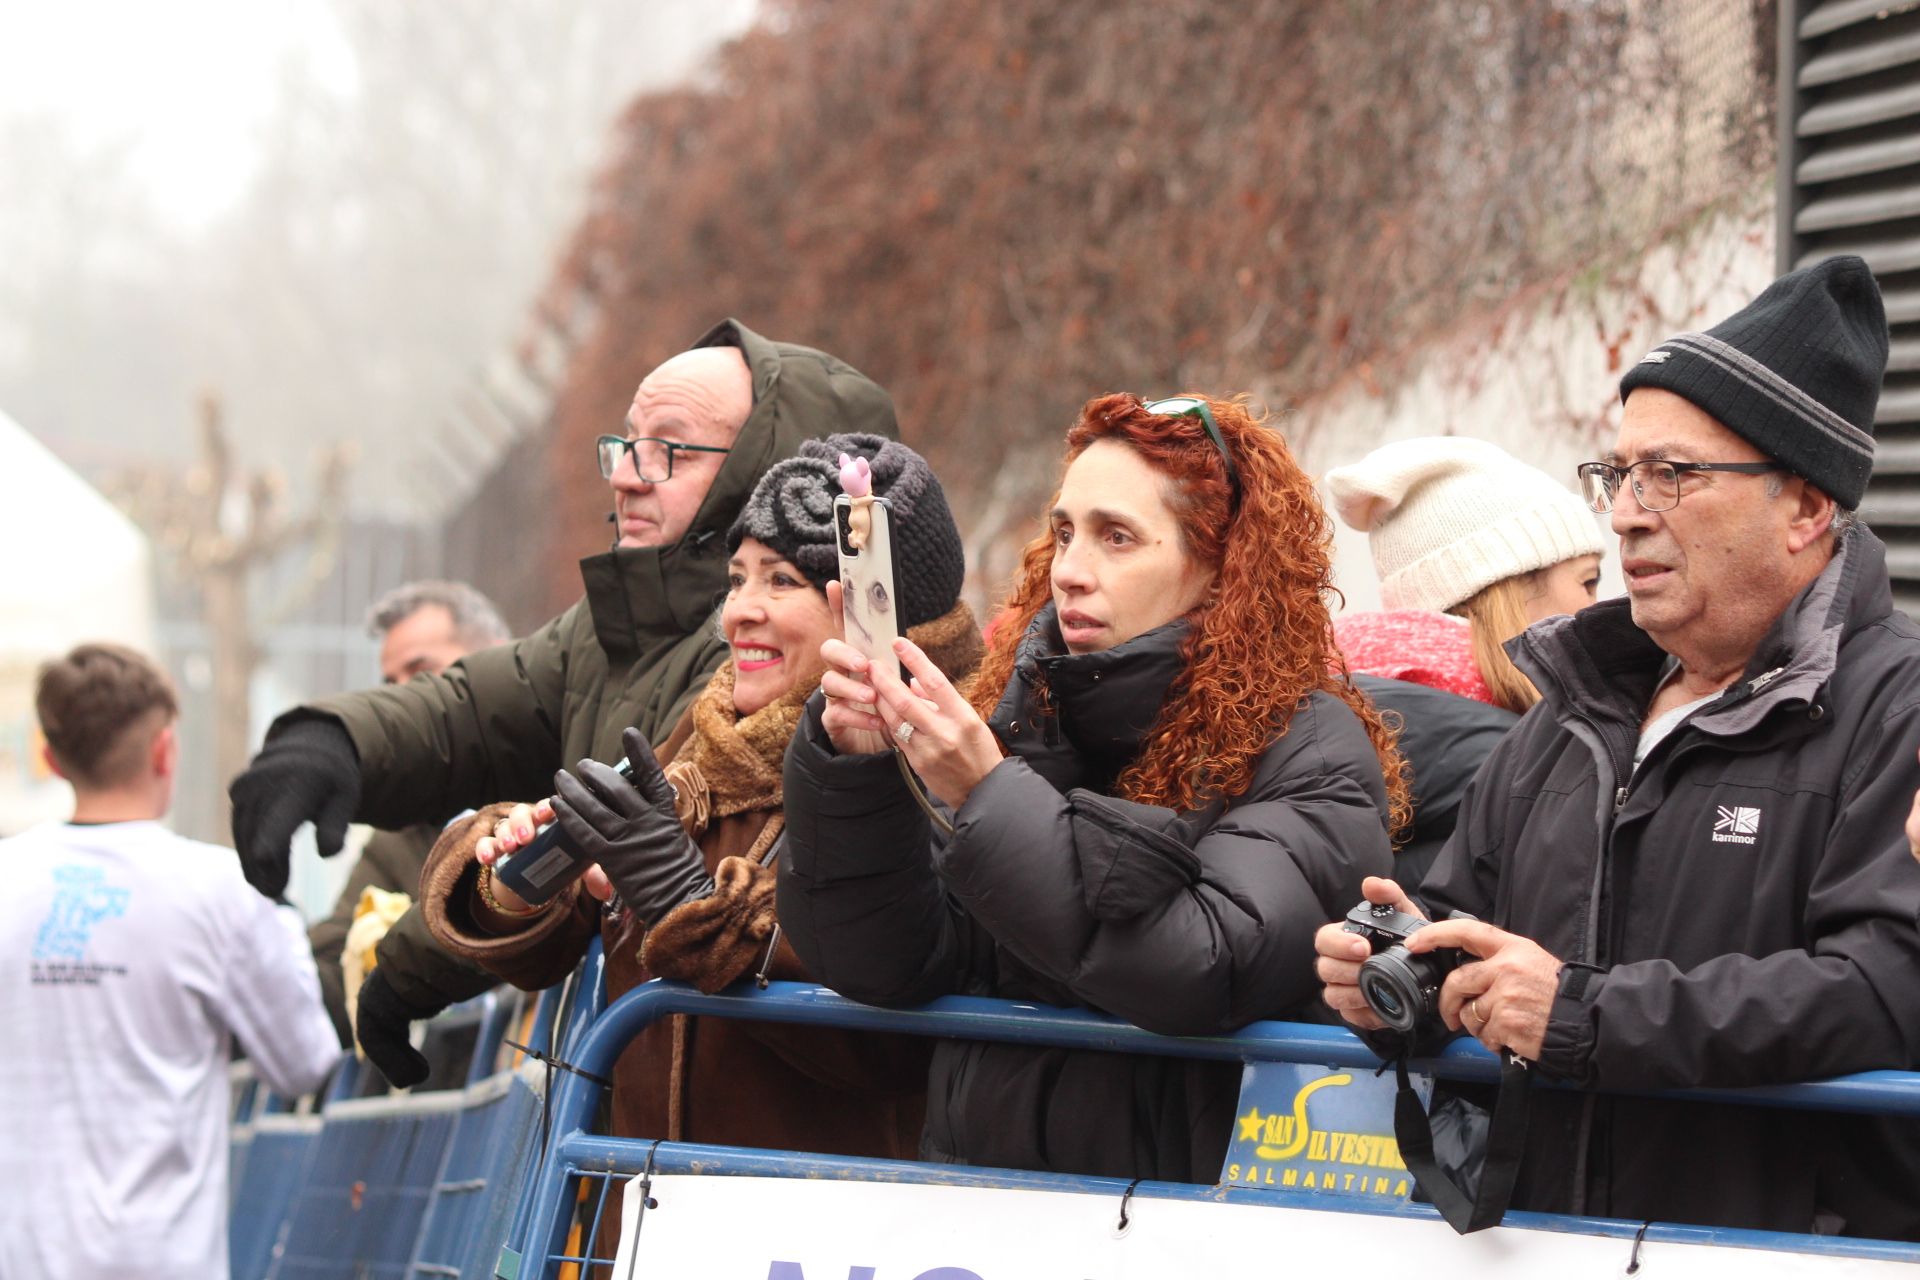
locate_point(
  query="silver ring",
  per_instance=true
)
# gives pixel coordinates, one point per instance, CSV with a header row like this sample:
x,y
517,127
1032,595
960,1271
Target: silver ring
x,y
903,733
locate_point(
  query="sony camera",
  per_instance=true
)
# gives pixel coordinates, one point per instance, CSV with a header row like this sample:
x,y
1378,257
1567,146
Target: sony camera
x,y
1403,988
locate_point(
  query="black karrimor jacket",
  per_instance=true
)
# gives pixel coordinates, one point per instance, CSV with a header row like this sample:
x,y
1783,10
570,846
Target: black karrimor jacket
x,y
1740,911
1054,891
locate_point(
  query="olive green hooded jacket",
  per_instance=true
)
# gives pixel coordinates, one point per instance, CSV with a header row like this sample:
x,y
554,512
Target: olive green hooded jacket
x,y
635,651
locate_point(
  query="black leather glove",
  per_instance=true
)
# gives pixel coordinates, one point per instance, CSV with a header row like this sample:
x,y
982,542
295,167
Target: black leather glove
x,y
629,828
384,1023
308,771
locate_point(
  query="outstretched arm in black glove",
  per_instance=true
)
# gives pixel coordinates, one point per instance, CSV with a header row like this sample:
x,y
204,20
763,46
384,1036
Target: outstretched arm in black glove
x,y
630,829
383,1022
413,979
308,771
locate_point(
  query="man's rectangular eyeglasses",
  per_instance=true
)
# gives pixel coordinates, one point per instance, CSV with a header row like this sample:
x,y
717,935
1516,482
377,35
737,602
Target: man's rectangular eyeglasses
x,y
652,459
1656,482
1195,407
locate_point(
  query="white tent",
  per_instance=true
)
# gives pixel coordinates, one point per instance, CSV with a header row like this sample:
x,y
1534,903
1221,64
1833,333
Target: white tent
x,y
74,568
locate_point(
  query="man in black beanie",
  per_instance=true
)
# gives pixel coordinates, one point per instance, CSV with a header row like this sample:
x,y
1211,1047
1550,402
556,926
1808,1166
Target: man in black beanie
x,y
1688,862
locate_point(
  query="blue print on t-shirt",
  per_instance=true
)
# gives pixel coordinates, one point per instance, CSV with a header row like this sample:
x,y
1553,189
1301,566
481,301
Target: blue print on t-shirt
x,y
83,900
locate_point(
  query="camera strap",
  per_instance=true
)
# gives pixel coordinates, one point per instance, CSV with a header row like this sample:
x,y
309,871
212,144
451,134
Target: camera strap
x,y
1506,1137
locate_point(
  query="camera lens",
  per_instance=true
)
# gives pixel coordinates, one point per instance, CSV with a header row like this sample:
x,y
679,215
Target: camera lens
x,y
1382,997
1397,986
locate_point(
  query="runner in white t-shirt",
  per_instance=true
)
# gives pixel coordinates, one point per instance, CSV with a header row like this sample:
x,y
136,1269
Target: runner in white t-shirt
x,y
130,959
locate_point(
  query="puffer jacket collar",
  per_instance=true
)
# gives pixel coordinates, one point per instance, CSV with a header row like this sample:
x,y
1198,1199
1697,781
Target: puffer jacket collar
x,y
1597,665
641,597
1079,719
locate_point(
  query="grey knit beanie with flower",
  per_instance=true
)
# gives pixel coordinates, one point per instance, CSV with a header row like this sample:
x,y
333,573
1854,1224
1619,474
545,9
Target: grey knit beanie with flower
x,y
791,511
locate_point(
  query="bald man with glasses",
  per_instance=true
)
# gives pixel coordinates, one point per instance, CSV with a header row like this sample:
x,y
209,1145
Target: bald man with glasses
x,y
633,652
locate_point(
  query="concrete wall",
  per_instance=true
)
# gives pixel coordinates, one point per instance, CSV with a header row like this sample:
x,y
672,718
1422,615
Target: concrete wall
x,y
1539,377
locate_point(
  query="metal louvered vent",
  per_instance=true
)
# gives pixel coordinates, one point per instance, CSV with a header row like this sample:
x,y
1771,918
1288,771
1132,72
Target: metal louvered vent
x,y
1850,183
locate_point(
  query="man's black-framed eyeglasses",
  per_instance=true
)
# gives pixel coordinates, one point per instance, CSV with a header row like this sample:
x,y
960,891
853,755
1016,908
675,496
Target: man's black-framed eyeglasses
x,y
652,459
1195,407
1656,482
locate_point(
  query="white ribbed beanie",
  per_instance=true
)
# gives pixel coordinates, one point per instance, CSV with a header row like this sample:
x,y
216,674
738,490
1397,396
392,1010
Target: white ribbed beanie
x,y
1448,516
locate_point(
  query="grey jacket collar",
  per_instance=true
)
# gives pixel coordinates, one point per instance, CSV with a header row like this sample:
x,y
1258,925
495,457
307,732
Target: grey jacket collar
x,y
1596,664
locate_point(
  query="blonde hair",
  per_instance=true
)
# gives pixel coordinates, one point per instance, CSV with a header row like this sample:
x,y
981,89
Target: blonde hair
x,y
1497,614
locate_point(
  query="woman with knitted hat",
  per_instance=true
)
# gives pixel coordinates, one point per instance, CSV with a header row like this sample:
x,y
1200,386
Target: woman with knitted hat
x,y
684,883
1472,547
1461,529
1158,785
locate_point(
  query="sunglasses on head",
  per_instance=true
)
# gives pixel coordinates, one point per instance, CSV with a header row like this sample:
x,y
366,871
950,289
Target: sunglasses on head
x,y
1195,407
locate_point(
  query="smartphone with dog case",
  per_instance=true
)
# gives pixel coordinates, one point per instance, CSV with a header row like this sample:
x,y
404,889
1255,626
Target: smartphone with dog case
x,y
867,597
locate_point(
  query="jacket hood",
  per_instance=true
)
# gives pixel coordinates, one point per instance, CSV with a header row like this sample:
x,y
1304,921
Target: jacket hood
x,y
1599,663
640,593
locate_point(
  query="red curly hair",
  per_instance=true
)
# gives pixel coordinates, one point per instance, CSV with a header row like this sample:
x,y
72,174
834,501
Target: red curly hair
x,y
1263,638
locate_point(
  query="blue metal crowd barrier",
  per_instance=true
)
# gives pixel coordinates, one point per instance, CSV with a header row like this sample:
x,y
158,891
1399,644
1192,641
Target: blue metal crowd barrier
x,y
400,1185
433,1184
264,1182
576,1158
491,1151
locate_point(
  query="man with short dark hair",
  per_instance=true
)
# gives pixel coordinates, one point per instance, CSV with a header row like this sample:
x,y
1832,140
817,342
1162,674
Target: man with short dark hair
x,y
423,628
130,959
1688,863
702,428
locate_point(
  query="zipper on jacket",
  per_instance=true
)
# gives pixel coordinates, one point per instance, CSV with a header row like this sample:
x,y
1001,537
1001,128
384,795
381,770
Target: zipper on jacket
x,y
1586,731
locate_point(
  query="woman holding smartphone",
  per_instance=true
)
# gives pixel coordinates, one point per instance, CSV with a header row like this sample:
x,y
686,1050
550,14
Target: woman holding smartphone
x,y
1158,789
683,884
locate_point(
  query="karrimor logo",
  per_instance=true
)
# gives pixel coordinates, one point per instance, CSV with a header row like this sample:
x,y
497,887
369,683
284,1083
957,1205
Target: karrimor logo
x,y
1735,825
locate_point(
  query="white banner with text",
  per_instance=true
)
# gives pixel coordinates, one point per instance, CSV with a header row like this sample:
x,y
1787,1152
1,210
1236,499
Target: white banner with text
x,y
724,1228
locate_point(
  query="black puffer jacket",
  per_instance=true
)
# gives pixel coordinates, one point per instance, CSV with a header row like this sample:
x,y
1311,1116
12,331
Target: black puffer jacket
x,y
1445,738
1052,890
1739,911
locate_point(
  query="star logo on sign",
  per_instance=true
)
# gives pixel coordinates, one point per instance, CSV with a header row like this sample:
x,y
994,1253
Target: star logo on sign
x,y
1251,1124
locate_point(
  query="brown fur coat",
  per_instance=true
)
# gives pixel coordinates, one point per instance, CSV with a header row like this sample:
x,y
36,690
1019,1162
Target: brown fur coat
x,y
712,1080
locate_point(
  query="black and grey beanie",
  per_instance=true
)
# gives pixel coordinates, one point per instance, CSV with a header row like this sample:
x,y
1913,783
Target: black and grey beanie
x,y
791,510
1796,373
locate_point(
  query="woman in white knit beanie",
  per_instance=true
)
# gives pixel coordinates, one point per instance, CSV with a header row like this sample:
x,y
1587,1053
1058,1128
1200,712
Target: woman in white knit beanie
x,y
1459,526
